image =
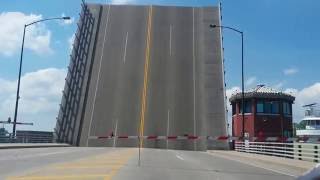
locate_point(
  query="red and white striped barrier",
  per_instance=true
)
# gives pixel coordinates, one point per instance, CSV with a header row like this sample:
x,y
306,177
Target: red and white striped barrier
x,y
215,138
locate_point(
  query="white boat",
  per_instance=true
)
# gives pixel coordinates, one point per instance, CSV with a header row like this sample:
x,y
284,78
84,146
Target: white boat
x,y
312,122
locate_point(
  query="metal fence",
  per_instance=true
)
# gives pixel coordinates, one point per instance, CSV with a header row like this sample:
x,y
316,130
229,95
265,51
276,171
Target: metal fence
x,y
5,138
300,151
26,138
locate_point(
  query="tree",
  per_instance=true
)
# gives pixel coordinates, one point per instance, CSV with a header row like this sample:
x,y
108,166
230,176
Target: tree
x,y
3,132
301,125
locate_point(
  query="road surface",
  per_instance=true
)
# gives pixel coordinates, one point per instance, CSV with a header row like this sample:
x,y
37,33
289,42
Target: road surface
x,y
156,70
122,164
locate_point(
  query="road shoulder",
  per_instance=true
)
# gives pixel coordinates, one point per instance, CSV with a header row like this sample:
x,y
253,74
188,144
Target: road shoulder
x,y
285,166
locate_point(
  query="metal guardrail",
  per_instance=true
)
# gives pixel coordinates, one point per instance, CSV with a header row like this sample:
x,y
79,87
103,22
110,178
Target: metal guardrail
x,y
5,139
27,138
300,151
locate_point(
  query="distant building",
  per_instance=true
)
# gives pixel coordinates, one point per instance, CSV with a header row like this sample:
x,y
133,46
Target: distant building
x,y
34,136
268,113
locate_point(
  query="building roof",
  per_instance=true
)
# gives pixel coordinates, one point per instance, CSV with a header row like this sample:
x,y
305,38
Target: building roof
x,y
262,91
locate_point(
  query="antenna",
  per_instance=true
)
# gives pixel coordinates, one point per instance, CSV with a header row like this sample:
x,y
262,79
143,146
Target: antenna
x,y
310,105
310,111
259,86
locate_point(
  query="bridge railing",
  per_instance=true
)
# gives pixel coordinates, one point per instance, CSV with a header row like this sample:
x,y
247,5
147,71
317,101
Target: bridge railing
x,y
26,138
300,151
5,138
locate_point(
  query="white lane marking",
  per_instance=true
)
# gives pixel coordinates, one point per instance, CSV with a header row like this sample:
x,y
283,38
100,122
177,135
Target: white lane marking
x,y
170,40
115,133
194,82
125,48
179,157
98,79
254,165
168,126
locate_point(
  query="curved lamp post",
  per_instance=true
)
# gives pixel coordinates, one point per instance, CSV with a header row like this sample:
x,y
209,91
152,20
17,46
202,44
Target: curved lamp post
x,y
20,67
242,72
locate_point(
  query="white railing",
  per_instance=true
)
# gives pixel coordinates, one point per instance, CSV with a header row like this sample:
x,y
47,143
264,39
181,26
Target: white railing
x,y
308,132
301,151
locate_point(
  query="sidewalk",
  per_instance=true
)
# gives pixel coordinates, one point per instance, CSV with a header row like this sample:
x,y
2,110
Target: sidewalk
x,y
281,165
30,145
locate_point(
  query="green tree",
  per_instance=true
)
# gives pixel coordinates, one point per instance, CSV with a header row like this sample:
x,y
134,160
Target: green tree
x,y
3,132
301,125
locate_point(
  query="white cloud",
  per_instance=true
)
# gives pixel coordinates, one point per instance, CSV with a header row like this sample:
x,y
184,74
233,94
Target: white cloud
x,y
251,81
122,1
278,86
290,71
229,93
40,97
37,36
70,41
307,95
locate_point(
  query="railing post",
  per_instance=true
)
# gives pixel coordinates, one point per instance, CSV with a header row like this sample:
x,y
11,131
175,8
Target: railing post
x,y
299,151
316,154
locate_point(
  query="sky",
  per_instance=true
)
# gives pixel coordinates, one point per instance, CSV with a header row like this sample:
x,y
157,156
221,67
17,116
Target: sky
x,y
281,50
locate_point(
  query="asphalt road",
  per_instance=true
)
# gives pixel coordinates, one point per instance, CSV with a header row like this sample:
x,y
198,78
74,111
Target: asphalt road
x,y
122,164
19,161
157,71
116,89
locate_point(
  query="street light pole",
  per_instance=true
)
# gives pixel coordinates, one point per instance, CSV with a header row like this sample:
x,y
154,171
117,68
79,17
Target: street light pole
x,y
20,69
242,86
242,70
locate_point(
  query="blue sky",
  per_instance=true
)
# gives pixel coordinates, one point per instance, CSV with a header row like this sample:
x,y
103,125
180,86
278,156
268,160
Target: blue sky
x,y
281,50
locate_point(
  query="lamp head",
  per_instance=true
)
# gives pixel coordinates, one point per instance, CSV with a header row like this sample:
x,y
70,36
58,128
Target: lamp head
x,y
66,18
213,25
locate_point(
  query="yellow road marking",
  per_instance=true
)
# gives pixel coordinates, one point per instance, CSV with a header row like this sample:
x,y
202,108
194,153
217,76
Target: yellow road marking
x,y
88,167
97,167
61,177
145,79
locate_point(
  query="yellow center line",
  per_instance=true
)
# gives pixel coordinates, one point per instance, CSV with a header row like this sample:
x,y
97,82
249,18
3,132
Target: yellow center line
x,y
109,166
146,71
61,177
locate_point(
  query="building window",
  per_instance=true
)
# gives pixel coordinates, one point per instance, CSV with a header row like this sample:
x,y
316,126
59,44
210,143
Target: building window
x,y
268,107
260,107
275,107
234,110
247,106
286,108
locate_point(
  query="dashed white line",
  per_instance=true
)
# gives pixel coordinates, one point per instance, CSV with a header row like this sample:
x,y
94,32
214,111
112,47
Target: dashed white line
x,y
168,126
179,157
125,48
115,134
170,40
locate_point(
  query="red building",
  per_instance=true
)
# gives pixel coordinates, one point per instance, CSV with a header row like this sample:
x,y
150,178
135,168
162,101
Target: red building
x,y
268,113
